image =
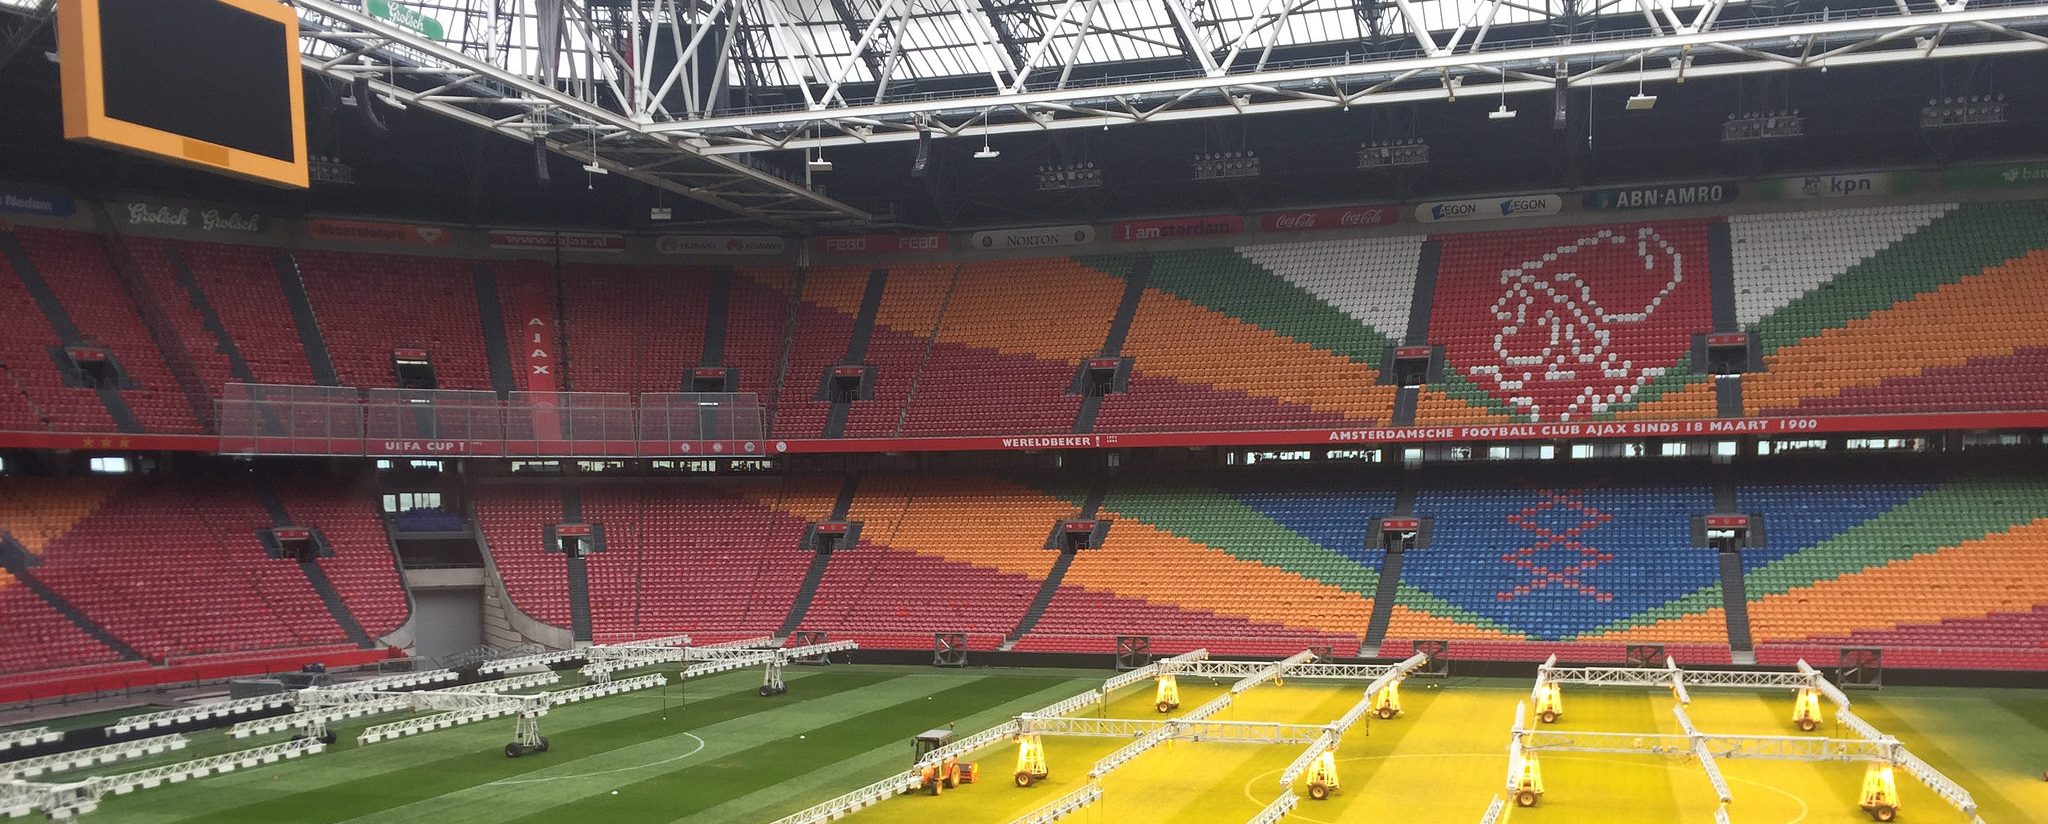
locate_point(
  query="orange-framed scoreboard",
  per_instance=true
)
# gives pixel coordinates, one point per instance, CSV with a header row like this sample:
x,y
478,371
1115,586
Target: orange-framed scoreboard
x,y
209,83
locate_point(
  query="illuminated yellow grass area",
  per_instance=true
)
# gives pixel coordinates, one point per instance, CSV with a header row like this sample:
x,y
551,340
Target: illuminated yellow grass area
x,y
1644,788
1153,788
997,801
1445,759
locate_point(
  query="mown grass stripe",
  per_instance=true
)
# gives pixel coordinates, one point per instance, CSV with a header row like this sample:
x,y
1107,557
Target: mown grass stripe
x,y
797,792
723,777
383,777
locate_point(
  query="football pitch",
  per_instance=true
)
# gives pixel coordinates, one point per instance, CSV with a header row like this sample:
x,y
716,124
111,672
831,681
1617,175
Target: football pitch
x,y
714,751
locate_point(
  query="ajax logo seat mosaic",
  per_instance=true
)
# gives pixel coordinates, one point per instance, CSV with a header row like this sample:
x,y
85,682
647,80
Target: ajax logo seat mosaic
x,y
1570,331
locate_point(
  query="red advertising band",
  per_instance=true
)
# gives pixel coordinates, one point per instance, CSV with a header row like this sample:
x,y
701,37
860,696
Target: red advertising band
x,y
1356,437
1400,524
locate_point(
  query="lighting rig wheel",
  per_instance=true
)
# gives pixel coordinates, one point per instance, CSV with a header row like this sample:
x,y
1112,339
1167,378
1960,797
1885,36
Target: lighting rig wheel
x,y
1024,779
1318,791
1549,716
328,737
1884,812
1808,725
1386,713
767,691
1525,798
513,750
1165,706
543,745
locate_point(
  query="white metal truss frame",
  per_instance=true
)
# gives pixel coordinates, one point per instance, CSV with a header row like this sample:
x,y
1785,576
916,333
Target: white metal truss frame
x,y
398,64
1870,745
609,97
1154,669
91,756
1207,729
538,659
1668,49
182,715
394,682
1063,806
1277,811
76,798
29,737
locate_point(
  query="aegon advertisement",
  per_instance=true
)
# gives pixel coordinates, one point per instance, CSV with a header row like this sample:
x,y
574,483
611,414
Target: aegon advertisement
x,y
1349,217
1829,186
1491,208
1661,197
377,231
719,245
155,213
1177,228
879,244
32,203
1035,238
567,241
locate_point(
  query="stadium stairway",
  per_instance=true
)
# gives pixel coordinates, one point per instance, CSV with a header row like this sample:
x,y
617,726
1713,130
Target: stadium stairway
x,y
164,261
1388,591
163,334
300,304
17,561
1089,509
1113,342
490,307
578,569
68,334
316,576
820,562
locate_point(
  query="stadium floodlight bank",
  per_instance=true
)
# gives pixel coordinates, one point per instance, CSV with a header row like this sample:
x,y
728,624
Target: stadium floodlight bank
x,y
61,801
539,659
183,715
1278,810
29,737
1871,746
91,756
1063,806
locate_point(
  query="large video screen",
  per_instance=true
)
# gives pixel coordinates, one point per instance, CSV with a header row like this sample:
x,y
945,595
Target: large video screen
x,y
213,83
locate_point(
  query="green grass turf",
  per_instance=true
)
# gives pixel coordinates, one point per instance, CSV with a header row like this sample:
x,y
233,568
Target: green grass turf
x,y
719,753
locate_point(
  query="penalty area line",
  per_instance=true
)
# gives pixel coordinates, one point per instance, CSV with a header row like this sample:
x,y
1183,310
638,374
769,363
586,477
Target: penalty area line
x,y
506,782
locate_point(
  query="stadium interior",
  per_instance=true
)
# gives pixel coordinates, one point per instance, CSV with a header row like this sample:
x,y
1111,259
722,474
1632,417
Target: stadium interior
x,y
627,343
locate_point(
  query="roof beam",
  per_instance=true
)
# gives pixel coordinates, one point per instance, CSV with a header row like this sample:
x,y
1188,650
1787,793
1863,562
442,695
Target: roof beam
x,y
1877,38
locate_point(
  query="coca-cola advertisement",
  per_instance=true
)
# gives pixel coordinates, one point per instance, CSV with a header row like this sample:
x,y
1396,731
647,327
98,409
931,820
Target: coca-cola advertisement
x,y
1346,217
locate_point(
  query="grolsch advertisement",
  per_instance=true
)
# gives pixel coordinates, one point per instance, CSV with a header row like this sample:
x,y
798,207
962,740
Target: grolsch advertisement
x,y
158,214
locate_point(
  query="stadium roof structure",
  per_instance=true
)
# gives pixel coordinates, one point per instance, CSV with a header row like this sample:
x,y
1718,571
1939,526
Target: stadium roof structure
x,y
712,99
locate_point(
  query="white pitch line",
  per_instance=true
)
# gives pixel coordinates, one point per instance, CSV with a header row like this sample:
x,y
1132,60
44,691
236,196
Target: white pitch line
x,y
670,760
